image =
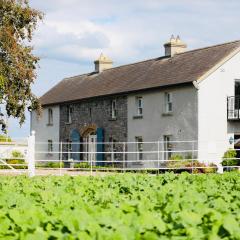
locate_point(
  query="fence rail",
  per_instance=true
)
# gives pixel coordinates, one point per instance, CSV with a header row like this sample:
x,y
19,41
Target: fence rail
x,y
59,158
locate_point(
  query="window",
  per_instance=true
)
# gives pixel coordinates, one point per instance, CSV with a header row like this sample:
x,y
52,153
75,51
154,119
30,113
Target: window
x,y
237,96
50,116
237,87
139,148
90,113
167,147
69,149
168,102
50,146
113,112
69,114
113,148
139,105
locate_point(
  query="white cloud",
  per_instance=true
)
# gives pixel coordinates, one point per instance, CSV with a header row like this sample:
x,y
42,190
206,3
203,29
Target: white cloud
x,y
75,32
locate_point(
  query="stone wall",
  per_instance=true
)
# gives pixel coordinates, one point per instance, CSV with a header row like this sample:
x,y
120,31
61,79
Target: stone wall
x,y
96,112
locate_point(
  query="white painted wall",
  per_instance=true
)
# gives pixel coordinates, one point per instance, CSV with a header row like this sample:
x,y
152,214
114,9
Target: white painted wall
x,y
181,125
214,130
44,132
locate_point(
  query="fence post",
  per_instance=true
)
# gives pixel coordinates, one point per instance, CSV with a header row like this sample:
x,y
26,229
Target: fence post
x,y
163,154
124,157
60,158
31,154
219,168
91,158
192,155
158,163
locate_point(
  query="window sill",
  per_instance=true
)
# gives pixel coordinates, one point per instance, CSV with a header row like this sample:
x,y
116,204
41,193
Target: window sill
x,y
138,117
49,124
68,123
112,119
167,114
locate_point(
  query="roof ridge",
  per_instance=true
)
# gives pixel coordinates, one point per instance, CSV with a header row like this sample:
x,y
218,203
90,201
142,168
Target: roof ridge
x,y
129,64
212,46
146,60
156,58
79,75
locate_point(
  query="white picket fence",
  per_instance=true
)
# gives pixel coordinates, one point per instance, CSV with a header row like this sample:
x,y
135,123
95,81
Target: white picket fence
x,y
119,157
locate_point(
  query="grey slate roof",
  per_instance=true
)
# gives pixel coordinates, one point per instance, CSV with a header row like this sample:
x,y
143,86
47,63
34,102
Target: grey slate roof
x,y
164,71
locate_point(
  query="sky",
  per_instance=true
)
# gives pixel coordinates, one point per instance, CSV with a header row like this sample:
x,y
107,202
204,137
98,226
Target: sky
x,y
73,33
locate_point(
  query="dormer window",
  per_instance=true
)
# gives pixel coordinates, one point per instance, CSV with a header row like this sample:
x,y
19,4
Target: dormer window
x,y
50,116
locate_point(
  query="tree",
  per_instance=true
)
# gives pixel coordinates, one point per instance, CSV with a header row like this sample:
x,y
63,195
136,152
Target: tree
x,y
17,62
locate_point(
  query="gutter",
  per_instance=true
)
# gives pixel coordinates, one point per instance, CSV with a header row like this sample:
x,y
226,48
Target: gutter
x,y
196,84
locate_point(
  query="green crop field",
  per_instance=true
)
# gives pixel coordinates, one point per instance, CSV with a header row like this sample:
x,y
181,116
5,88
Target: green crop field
x,y
127,207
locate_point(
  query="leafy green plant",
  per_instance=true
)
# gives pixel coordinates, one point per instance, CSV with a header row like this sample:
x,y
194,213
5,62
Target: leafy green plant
x,y
177,163
4,138
229,158
124,206
50,165
82,165
190,165
17,161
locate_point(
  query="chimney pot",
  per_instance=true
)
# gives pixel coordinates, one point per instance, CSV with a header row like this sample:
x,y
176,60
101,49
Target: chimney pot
x,y
102,63
174,46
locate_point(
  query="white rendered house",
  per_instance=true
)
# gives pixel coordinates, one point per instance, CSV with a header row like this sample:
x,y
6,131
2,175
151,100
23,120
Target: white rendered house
x,y
184,100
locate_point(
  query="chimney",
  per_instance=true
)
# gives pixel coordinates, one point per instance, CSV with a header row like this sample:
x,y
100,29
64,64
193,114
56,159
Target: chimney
x,y
102,63
174,46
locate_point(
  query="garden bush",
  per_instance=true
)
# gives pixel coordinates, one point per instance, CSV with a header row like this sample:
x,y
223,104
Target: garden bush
x,y
17,161
82,165
229,158
184,164
50,164
4,138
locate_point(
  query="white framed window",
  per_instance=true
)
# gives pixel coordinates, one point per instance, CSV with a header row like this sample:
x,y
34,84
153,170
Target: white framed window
x,y
50,116
139,106
168,102
167,146
113,111
69,114
50,146
139,147
113,148
69,149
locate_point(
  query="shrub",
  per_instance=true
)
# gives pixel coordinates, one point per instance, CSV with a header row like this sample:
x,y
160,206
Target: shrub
x,y
50,165
4,138
82,165
176,157
17,154
187,164
229,158
16,158
200,167
211,168
178,163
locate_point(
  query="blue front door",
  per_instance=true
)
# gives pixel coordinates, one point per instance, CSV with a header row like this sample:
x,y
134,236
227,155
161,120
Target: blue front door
x,y
75,139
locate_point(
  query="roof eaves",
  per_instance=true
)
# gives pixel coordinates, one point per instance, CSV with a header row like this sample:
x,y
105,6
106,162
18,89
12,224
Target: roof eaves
x,y
118,93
